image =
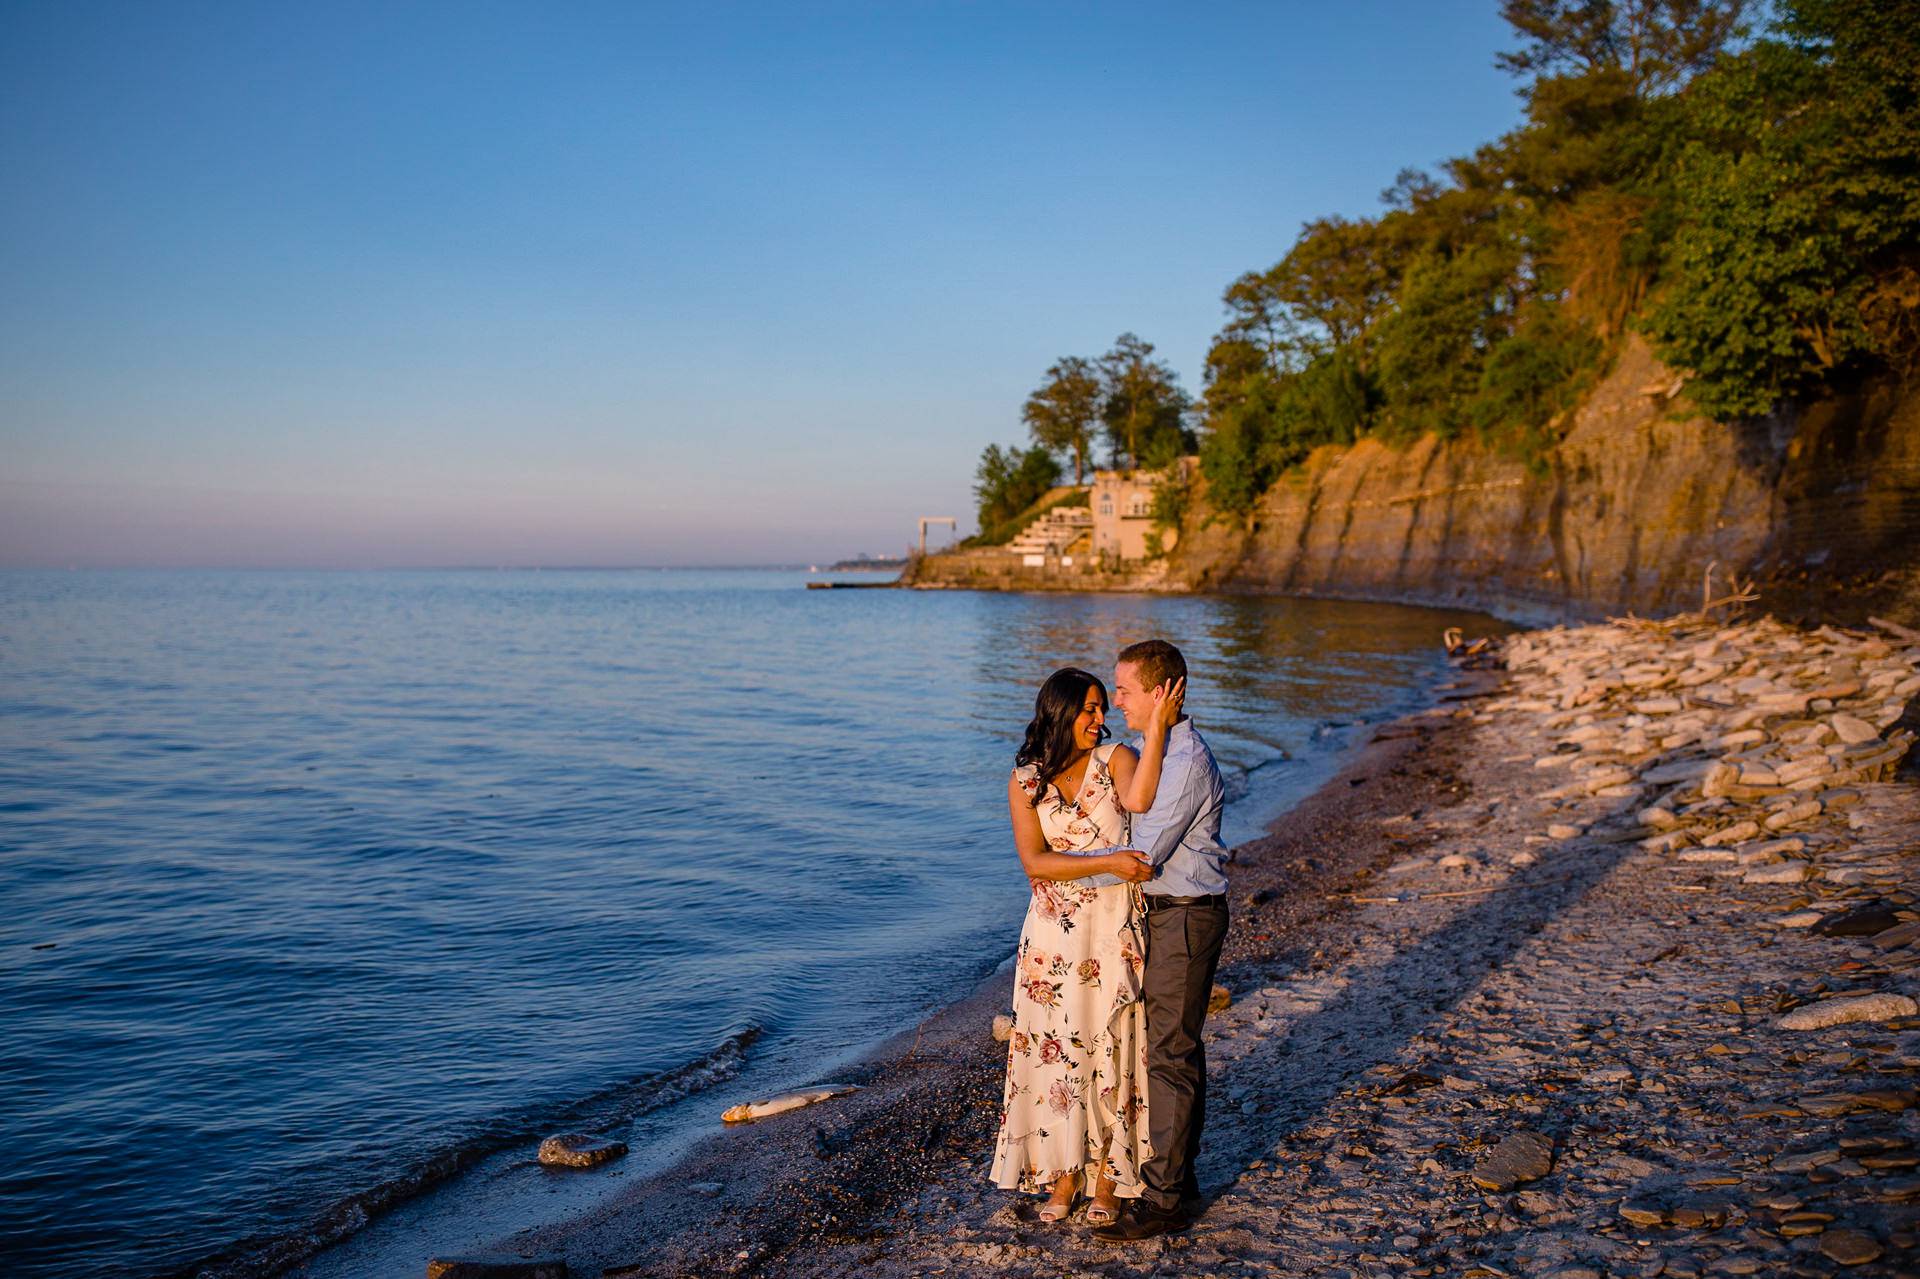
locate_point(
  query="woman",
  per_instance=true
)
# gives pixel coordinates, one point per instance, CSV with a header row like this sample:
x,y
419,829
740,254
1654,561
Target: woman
x,y
1075,1102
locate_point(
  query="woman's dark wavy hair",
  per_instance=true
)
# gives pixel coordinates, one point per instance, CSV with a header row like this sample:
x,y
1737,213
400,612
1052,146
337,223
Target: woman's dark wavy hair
x,y
1049,741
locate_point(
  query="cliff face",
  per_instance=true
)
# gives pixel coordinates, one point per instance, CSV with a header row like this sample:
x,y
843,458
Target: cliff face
x,y
1821,506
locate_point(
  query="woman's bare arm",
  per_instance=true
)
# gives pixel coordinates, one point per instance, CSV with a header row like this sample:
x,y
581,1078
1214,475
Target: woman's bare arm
x,y
1136,780
1041,862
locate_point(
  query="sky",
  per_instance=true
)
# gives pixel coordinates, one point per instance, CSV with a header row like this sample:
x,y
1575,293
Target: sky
x,y
409,285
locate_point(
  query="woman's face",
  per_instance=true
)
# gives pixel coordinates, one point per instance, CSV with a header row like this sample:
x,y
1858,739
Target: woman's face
x,y
1086,726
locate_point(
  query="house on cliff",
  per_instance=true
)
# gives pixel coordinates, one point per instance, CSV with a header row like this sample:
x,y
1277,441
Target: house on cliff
x,y
1122,505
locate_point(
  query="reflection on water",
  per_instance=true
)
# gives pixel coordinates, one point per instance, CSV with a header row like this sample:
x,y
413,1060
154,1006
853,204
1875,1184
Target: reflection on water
x,y
312,875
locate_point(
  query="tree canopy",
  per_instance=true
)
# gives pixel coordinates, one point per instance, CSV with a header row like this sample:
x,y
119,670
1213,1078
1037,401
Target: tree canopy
x,y
1750,203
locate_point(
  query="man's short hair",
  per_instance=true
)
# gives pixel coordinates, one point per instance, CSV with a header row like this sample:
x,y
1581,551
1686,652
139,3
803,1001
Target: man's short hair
x,y
1157,660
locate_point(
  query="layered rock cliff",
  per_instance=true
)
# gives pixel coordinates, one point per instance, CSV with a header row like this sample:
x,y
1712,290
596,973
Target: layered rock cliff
x,y
1819,505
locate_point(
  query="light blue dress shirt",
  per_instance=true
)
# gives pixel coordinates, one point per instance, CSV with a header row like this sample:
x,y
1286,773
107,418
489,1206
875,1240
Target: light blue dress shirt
x,y
1180,834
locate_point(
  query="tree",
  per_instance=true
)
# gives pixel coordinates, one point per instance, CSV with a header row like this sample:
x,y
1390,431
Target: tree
x,y
1141,400
1064,411
1804,186
1659,44
1328,292
1010,480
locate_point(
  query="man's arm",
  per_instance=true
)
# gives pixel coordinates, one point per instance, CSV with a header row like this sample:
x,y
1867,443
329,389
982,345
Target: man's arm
x,y
1183,793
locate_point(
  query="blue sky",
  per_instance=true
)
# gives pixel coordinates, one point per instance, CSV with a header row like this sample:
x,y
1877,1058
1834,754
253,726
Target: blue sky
x,y
575,283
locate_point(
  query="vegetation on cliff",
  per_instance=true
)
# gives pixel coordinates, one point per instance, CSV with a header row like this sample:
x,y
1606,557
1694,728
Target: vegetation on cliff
x,y
1743,187
1751,204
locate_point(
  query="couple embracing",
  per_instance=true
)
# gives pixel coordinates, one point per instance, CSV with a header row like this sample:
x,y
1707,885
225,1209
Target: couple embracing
x,y
1106,1085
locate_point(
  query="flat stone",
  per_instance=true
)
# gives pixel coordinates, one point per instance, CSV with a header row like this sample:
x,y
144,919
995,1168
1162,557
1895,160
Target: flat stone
x,y
1861,921
496,1266
1899,935
1779,873
1522,1156
1738,833
1799,919
1831,1105
1559,831
579,1150
1853,730
1804,811
1220,999
1002,1028
1882,1006
708,1189
1805,1161
1643,1214
1850,1247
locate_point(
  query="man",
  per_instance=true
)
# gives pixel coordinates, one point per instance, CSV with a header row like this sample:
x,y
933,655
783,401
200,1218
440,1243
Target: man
x,y
1186,923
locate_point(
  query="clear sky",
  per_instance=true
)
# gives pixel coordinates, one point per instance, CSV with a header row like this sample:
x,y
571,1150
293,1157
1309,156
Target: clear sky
x,y
367,284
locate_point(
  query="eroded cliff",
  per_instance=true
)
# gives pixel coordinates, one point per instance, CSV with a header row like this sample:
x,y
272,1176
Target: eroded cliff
x,y
1820,505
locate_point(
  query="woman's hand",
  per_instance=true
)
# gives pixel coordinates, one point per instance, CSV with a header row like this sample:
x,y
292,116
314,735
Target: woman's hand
x,y
1167,700
1129,864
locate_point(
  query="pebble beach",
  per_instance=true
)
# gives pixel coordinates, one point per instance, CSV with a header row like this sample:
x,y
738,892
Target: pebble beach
x,y
1605,965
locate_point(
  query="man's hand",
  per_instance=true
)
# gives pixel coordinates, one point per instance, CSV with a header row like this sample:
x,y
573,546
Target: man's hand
x,y
1131,865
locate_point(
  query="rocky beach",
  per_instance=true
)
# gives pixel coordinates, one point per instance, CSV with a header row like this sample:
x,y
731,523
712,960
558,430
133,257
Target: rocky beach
x,y
1605,965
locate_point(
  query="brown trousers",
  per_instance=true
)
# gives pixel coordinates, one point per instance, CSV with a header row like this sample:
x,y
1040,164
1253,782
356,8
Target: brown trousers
x,y
1183,950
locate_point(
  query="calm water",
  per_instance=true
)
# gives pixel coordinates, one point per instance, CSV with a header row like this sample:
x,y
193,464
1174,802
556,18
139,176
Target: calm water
x,y
308,878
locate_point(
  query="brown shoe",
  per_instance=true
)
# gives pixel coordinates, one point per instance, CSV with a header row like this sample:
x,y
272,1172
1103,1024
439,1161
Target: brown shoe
x,y
1139,1221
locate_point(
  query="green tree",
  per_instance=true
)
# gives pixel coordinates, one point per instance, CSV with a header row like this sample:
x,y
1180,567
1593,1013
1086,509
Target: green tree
x,y
1009,480
1063,413
1141,402
1803,214
1658,44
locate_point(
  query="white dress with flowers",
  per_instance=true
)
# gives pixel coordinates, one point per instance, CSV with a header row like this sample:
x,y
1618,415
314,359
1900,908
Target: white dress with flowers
x,y
1076,1061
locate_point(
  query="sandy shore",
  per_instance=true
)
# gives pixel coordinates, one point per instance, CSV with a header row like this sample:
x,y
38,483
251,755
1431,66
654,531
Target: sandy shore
x,y
1519,992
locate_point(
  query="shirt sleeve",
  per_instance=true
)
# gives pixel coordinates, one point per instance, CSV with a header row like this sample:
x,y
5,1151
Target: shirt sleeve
x,y
1159,830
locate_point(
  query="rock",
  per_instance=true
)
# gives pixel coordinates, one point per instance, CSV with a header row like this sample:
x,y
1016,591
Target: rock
x,y
1456,861
1558,831
1523,859
1704,1214
1852,730
579,1150
1882,1006
1002,1028
1899,935
708,1189
1850,1247
1804,811
1782,873
496,1266
1642,1214
1718,779
1657,817
780,1105
1805,1161
1861,921
1706,855
1799,919
1522,1156
1220,1000
1738,833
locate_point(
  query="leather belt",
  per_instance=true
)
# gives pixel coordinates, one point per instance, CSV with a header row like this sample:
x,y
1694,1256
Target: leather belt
x,y
1160,901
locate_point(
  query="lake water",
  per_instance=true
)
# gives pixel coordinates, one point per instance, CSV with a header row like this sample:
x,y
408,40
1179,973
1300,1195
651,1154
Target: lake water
x,y
316,883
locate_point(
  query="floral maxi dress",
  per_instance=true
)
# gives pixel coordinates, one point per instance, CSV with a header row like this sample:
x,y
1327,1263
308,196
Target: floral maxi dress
x,y
1076,1061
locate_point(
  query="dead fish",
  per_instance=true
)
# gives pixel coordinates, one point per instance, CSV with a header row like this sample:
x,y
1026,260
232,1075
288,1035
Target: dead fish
x,y
751,1110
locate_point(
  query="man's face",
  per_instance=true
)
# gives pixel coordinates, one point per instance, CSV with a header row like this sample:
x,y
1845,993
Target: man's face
x,y
1130,697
